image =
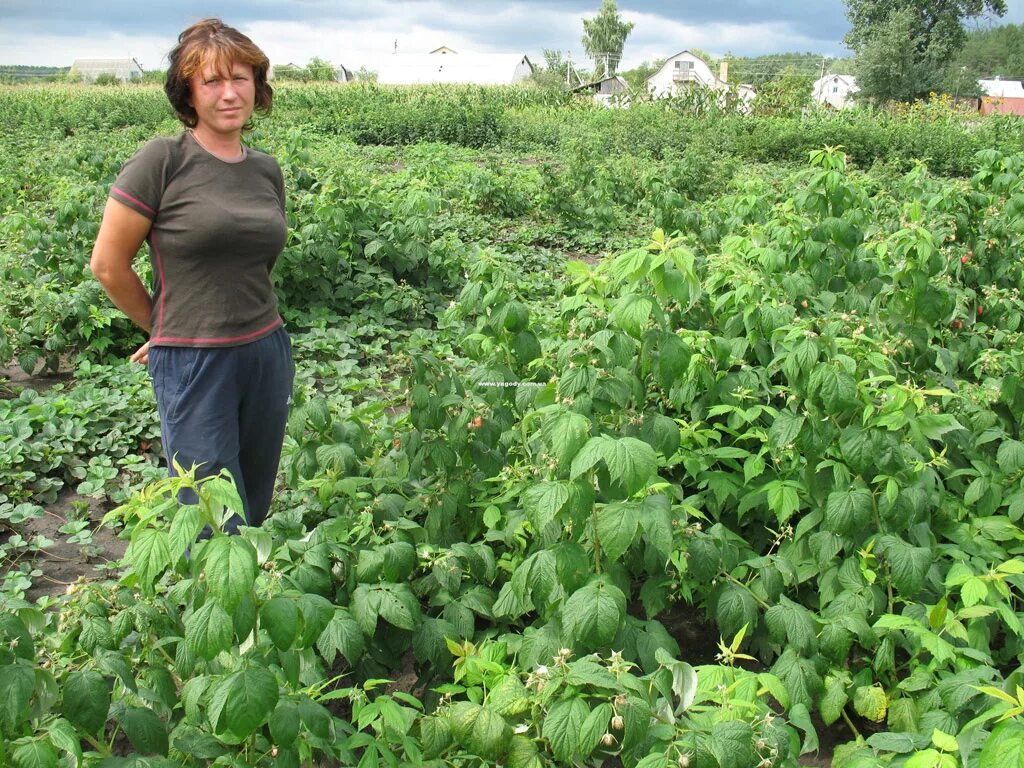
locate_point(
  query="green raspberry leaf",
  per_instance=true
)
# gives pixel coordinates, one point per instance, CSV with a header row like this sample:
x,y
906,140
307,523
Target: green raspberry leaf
x,y
480,730
208,631
594,614
848,511
229,563
86,700
243,701
563,727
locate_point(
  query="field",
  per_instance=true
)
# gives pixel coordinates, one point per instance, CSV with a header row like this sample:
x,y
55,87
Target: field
x,y
644,437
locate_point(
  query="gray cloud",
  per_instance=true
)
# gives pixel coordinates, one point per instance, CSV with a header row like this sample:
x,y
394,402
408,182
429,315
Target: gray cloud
x,y
56,31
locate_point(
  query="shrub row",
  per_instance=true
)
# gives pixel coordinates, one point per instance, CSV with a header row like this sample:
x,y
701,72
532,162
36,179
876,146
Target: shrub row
x,y
527,119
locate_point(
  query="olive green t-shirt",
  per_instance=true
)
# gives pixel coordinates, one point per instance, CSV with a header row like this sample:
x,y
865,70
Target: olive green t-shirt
x,y
218,228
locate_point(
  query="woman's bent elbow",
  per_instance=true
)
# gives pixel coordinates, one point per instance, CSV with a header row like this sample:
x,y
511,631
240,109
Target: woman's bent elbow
x,y
101,267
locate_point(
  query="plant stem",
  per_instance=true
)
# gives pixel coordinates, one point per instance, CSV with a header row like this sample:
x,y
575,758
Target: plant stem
x,y
738,583
884,564
99,746
850,725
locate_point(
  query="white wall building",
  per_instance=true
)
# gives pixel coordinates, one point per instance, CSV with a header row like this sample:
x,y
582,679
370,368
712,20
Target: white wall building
x,y
451,67
1002,89
686,70
123,69
835,90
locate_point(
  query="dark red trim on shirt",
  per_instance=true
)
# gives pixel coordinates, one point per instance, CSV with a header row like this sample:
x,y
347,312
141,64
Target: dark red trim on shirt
x,y
223,340
163,283
135,200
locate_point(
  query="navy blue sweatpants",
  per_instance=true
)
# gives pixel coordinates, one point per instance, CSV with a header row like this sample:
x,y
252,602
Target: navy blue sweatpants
x,y
226,408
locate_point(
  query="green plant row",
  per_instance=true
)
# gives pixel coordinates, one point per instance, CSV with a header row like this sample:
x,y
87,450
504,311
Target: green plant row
x,y
522,118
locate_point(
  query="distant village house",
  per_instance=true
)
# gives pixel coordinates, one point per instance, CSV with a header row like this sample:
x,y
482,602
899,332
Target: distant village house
x,y
835,90
686,70
1002,96
87,70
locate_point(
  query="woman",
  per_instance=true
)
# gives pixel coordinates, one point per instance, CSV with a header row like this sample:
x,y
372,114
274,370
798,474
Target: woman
x,y
212,211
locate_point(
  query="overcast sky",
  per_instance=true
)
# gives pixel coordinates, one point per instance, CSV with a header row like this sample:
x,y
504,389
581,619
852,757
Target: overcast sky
x,y
55,32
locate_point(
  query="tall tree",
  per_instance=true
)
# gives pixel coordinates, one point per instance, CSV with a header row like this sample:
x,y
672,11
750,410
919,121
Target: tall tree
x,y
933,34
321,69
936,24
887,69
604,37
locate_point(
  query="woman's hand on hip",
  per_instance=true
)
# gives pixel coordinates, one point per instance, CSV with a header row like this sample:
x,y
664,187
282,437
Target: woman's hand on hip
x,y
141,355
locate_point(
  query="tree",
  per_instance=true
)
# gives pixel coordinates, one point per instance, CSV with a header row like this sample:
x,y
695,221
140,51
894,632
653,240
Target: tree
x,y
320,70
555,74
603,38
558,74
365,75
888,67
637,77
786,93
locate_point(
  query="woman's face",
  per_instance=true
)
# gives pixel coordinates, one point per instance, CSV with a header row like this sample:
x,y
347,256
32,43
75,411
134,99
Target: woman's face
x,y
224,98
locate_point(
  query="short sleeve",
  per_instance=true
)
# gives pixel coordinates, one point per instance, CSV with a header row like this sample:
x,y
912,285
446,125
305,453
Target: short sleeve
x,y
142,180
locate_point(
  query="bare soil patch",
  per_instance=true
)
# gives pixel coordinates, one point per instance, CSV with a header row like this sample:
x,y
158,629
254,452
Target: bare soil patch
x,y
13,379
64,562
587,258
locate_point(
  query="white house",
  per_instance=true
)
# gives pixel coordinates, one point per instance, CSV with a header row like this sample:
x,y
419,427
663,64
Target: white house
x,y
686,70
123,69
835,90
451,67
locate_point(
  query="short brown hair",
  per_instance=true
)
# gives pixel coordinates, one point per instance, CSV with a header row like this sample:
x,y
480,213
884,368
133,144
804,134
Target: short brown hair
x,y
206,42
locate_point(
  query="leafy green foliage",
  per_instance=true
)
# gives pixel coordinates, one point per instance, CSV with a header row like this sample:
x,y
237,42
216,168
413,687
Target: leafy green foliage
x,y
793,408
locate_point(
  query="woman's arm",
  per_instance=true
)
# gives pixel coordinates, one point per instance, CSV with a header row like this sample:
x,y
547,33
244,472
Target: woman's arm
x,y
121,234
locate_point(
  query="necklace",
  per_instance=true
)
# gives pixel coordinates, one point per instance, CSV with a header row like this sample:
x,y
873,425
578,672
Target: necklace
x,y
233,159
